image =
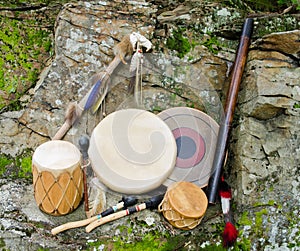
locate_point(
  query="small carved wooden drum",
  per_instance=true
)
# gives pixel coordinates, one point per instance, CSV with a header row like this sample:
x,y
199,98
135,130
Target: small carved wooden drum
x,y
57,177
184,205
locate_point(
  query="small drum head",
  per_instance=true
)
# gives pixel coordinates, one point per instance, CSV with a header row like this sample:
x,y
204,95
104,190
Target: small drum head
x,y
132,151
56,156
187,199
196,136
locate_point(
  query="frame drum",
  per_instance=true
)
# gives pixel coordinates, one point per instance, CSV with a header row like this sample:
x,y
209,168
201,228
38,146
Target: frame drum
x,y
57,177
132,151
196,136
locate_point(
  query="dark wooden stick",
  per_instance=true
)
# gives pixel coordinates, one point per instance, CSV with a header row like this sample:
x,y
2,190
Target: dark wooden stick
x,y
227,118
84,143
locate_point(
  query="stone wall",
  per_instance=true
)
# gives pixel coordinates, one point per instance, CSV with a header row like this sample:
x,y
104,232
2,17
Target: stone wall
x,y
266,140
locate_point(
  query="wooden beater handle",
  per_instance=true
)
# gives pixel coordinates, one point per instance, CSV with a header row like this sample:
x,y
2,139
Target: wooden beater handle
x,y
150,204
114,216
124,203
71,225
84,143
81,223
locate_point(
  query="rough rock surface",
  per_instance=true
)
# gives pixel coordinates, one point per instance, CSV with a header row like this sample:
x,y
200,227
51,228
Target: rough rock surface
x,y
263,164
266,139
269,113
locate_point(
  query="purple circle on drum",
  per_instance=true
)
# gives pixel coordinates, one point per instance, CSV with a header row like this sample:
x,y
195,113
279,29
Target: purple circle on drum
x,y
190,147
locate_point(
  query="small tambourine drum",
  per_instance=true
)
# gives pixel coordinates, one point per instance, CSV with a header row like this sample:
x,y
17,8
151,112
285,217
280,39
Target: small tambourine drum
x,y
184,205
132,151
57,177
196,135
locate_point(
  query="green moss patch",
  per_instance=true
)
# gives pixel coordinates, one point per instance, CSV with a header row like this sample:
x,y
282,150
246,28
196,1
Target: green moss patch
x,y
25,48
265,5
26,39
179,43
212,44
153,240
4,162
19,167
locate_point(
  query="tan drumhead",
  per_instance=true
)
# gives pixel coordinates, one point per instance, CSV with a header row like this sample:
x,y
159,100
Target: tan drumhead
x,y
187,199
132,151
56,156
196,136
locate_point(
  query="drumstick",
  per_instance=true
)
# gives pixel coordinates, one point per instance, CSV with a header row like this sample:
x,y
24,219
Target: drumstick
x,y
149,204
226,120
124,203
84,143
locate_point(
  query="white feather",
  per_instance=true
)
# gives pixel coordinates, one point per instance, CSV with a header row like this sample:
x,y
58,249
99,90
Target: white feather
x,y
225,203
144,42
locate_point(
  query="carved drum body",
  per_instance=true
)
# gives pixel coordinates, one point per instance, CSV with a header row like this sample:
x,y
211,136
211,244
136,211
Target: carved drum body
x,y
57,177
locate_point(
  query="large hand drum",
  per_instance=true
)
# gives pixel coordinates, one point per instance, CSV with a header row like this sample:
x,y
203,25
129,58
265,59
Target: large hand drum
x,y
132,151
196,136
57,177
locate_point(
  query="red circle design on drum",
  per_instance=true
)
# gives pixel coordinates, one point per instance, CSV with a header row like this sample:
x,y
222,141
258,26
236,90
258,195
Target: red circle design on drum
x,y
190,147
